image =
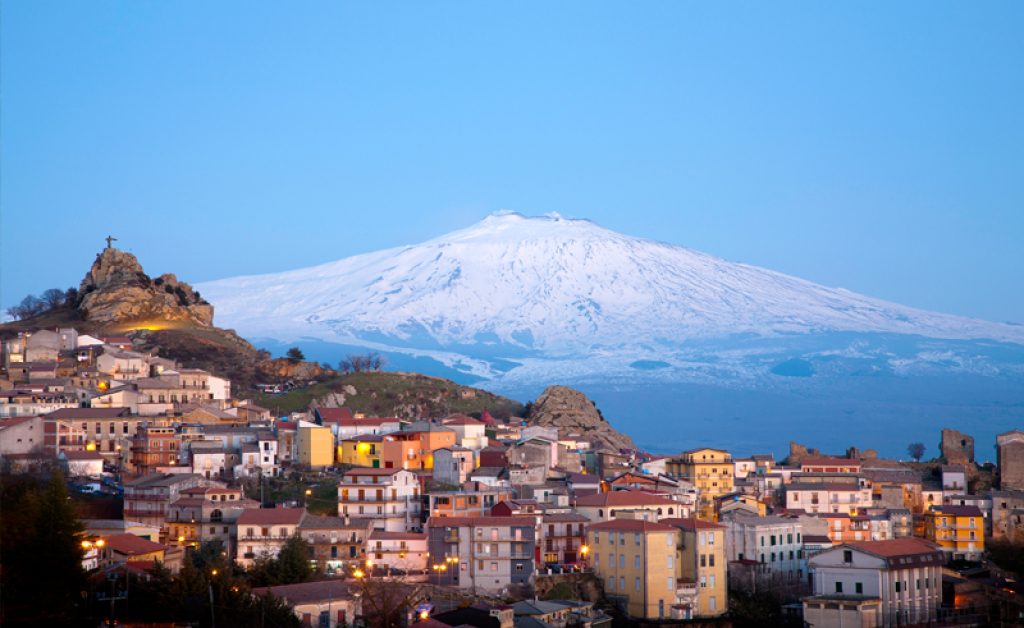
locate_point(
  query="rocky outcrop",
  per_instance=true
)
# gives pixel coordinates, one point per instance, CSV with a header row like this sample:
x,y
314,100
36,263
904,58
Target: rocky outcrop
x,y
116,291
572,413
283,369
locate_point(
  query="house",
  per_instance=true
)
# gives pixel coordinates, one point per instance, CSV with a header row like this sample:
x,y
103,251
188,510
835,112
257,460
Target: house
x,y
401,551
481,554
154,446
958,530
494,477
830,465
264,531
205,513
605,506
638,563
452,465
815,497
147,499
875,583
82,463
558,613
413,448
210,459
360,451
314,446
106,430
22,435
774,543
388,497
709,470
701,564
469,432
325,604
563,536
472,503
127,548
954,479
337,542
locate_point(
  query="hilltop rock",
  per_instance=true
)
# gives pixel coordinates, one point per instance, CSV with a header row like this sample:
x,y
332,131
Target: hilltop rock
x,y
571,412
116,290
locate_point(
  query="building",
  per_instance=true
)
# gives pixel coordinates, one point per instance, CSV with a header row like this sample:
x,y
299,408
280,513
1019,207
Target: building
x,y
82,463
485,554
702,563
1007,515
875,583
774,543
1010,458
637,562
958,530
360,451
205,513
154,446
314,446
337,543
709,470
21,436
119,549
830,465
473,503
469,432
817,497
414,447
388,497
325,604
106,430
563,536
147,499
605,506
264,531
401,551
452,465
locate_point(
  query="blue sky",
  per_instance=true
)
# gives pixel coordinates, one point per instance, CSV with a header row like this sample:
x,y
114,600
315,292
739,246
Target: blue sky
x,y
874,146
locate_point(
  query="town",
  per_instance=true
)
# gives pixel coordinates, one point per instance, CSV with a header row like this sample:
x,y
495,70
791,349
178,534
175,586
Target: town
x,y
332,517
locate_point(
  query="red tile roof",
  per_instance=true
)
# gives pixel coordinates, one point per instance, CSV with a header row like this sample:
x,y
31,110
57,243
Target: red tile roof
x,y
335,415
899,548
691,523
271,516
631,525
131,545
624,499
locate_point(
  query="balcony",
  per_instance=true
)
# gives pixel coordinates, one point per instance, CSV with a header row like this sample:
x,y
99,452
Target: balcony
x,y
451,537
686,588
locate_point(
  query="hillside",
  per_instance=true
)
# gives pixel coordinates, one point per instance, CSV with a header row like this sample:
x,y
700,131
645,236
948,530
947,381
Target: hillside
x,y
406,395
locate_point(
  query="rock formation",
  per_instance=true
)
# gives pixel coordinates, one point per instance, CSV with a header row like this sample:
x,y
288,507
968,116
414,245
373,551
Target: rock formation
x,y
116,291
571,413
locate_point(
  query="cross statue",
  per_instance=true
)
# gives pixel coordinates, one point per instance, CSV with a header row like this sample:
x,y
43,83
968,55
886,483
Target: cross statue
x,y
110,239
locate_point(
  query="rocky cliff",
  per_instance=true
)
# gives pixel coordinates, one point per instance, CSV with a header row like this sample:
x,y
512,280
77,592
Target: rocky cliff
x,y
572,413
117,291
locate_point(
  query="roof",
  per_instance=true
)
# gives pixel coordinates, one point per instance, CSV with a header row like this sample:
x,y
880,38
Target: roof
x,y
89,413
271,516
455,522
895,549
565,517
131,545
82,456
829,462
334,415
308,591
632,525
624,499
822,486
691,523
160,479
959,511
384,535
461,419
357,471
816,538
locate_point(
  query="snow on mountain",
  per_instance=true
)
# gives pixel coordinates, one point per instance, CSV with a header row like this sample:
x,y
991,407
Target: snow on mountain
x,y
549,288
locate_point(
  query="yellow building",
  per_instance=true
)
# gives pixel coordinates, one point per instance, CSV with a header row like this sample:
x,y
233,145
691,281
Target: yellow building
x,y
702,566
636,561
360,451
958,530
709,470
314,445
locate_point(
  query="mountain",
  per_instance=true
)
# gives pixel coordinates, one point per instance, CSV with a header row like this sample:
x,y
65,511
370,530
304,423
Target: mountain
x,y
518,303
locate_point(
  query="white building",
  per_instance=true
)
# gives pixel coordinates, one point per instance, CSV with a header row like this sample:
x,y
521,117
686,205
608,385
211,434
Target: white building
x,y
452,465
404,551
816,497
469,432
774,542
875,583
388,497
264,531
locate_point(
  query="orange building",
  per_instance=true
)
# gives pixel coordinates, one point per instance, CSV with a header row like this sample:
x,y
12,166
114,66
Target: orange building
x,y
414,448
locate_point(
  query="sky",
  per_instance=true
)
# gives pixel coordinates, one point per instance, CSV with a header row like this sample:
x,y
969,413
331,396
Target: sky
x,y
873,146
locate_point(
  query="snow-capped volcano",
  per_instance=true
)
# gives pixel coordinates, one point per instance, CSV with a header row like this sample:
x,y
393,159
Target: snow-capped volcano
x,y
555,286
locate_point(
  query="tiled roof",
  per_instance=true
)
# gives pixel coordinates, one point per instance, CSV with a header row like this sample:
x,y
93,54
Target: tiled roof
x,y
894,549
271,516
624,499
959,511
631,525
384,535
83,456
89,413
358,471
335,415
131,545
691,523
308,591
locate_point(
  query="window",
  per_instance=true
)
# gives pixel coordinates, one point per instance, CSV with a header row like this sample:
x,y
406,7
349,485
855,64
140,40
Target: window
x,y
611,583
897,586
622,561
858,587
671,562
636,539
711,560
847,556
622,538
494,566
773,539
711,580
712,603
636,562
668,540
839,587
636,584
789,538
703,560
611,560
703,582
622,583
671,583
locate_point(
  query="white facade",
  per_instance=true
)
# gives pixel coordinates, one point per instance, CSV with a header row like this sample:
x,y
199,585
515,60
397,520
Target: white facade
x,y
388,497
824,497
775,542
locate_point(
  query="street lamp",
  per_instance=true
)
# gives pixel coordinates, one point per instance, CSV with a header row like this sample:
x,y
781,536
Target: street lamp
x,y
584,550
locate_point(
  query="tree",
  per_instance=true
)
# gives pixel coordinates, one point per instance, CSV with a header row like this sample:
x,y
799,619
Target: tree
x,y
916,451
295,354
40,541
293,561
53,298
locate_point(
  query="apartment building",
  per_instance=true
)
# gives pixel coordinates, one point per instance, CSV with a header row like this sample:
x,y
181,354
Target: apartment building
x,y
563,536
147,499
485,554
205,513
702,563
816,497
388,497
958,530
264,531
474,503
709,470
637,561
775,543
